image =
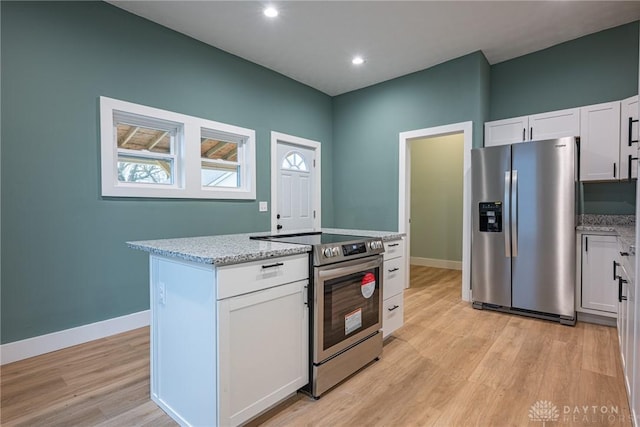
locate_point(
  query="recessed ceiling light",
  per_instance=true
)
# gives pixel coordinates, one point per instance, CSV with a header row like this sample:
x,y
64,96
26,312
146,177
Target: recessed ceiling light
x,y
271,12
357,60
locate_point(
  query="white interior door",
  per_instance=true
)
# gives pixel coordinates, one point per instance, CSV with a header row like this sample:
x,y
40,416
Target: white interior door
x,y
296,196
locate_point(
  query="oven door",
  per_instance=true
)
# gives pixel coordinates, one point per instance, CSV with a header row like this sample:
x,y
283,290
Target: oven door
x,y
348,303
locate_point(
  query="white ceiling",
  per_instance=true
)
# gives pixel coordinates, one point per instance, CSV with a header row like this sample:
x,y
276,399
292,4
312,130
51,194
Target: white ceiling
x,y
313,42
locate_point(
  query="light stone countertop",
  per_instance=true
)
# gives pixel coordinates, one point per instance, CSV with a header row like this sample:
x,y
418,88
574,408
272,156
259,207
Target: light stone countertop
x,y
229,249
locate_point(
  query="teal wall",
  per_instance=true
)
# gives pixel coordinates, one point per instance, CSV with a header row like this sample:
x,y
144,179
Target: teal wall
x,y
366,127
597,68
436,197
65,262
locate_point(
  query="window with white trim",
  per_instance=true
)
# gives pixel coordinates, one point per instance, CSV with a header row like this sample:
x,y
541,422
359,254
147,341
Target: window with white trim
x,y
148,152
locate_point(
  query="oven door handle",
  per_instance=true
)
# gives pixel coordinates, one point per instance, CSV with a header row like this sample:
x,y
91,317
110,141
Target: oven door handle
x,y
330,273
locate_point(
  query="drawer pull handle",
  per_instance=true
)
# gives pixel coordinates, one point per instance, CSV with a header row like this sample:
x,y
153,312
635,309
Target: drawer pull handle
x,y
394,270
620,296
615,268
277,264
393,308
624,253
394,244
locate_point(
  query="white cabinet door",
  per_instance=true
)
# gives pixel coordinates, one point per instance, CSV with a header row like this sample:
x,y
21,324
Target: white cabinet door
x,y
263,342
507,131
629,137
599,287
554,124
600,142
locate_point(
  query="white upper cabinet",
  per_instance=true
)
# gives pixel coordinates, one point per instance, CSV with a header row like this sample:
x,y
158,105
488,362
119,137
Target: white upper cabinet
x,y
629,137
554,124
600,142
507,131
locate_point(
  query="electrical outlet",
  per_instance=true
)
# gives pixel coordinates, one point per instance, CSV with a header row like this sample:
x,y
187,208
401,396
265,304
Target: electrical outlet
x,y
162,295
263,207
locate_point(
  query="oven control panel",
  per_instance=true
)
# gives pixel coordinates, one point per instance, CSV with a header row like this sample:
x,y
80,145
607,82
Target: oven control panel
x,y
333,253
354,249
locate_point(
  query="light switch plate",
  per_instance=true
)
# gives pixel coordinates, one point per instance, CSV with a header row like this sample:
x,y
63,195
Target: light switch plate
x,y
263,207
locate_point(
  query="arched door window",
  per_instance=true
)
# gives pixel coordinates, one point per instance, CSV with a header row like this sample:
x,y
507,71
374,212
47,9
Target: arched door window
x,y
294,161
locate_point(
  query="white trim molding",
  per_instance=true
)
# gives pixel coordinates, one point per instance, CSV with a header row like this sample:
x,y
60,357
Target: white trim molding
x,y
301,142
404,189
30,347
437,263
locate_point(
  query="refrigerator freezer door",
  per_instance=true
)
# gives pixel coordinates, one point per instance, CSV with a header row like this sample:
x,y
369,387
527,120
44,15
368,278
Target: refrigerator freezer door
x,y
490,240
543,271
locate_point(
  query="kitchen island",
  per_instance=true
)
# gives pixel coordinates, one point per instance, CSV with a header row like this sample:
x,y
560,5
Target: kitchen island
x,y
230,324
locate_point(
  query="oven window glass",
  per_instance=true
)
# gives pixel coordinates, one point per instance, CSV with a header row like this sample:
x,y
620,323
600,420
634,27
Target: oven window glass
x,y
347,311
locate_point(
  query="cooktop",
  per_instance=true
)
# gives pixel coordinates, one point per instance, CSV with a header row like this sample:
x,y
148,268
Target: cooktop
x,y
316,238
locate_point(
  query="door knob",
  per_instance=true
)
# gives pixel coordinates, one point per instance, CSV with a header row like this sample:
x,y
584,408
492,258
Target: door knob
x,y
279,227
278,216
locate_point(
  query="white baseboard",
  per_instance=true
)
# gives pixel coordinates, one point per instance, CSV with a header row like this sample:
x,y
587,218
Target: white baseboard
x,y
437,263
18,350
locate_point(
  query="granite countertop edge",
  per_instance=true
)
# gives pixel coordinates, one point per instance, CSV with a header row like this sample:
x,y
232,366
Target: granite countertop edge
x,y
229,249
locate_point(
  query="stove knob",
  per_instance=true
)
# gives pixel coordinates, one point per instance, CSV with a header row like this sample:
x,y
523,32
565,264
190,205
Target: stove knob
x,y
327,252
336,251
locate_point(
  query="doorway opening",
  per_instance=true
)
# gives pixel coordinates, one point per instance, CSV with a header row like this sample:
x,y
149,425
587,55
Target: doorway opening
x,y
419,138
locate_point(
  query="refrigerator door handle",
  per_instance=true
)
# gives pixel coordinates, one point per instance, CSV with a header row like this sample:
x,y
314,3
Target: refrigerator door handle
x,y
506,227
514,213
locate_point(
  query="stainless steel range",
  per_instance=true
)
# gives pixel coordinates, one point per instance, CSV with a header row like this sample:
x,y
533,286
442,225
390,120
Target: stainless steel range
x,y
346,282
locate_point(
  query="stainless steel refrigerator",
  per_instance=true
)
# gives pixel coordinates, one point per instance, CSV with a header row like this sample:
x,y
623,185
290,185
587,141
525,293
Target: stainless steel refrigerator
x,y
523,241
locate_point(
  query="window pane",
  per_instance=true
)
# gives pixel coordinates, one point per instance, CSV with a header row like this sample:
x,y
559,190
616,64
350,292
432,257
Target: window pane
x,y
143,138
144,170
214,149
217,175
294,161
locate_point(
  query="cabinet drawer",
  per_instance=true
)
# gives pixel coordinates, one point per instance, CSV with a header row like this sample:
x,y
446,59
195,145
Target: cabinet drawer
x,y
253,276
393,249
394,277
393,314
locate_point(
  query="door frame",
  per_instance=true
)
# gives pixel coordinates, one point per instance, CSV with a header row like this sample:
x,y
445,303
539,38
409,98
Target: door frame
x,y
317,171
404,191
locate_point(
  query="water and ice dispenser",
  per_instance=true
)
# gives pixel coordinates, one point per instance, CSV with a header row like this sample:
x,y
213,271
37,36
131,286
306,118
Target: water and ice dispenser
x,y
491,217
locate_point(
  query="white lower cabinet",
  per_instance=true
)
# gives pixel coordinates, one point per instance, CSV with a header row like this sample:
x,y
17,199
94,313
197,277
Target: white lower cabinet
x,y
395,278
227,342
263,357
599,284
627,331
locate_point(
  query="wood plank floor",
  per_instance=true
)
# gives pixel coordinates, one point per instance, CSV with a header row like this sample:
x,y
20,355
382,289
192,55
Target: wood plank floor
x,y
449,365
